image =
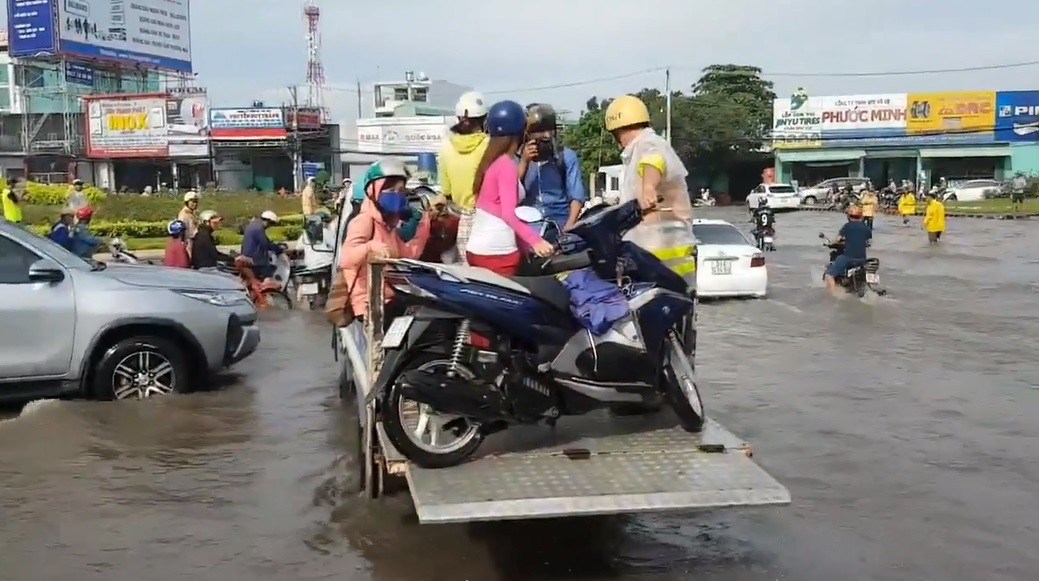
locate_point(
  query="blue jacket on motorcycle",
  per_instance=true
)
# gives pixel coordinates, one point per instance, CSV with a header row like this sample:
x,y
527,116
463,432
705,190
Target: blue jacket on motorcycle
x,y
256,245
83,243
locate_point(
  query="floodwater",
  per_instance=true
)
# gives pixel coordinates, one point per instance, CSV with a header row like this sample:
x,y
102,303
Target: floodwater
x,y
904,428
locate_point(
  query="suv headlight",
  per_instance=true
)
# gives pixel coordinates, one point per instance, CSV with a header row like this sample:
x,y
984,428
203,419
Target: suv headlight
x,y
216,298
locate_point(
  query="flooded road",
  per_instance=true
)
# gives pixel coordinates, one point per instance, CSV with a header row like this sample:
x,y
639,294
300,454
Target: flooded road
x,y
904,428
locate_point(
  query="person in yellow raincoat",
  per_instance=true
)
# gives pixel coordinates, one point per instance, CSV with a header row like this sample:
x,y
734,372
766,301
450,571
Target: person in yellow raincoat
x,y
868,203
655,176
934,218
907,206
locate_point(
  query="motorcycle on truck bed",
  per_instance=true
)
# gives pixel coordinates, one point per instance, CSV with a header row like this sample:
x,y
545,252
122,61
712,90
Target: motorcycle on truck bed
x,y
590,462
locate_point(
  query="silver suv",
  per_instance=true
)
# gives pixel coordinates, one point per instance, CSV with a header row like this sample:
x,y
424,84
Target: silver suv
x,y
76,327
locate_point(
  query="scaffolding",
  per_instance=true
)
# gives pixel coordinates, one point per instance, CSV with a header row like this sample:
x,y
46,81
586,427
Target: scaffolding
x,y
50,91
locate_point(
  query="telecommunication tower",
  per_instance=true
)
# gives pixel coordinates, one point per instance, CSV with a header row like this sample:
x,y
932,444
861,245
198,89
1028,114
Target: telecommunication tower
x,y
315,70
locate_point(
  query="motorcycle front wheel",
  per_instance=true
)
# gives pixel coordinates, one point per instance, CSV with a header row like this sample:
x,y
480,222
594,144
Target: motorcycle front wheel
x,y
425,436
680,386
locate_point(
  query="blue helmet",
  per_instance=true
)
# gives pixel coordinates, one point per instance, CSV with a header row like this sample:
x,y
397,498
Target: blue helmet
x,y
506,119
176,227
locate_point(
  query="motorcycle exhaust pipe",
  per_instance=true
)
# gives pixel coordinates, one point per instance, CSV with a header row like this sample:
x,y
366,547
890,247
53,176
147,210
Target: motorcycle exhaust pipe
x,y
454,395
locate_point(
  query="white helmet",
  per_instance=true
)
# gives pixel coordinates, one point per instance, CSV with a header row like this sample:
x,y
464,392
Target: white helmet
x,y
471,105
269,216
191,195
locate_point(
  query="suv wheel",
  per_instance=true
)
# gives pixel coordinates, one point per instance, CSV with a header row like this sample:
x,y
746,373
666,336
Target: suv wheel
x,y
140,368
809,201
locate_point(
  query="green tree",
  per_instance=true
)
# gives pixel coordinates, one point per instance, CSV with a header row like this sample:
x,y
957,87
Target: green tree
x,y
589,139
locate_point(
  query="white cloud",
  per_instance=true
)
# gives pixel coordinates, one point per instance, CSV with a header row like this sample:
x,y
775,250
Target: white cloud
x,y
251,49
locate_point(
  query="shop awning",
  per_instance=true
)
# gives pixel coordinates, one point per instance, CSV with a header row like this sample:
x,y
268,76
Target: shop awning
x,y
989,151
821,155
890,153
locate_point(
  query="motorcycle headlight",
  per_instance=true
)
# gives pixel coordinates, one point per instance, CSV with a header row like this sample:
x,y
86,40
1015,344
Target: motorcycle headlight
x,y
216,298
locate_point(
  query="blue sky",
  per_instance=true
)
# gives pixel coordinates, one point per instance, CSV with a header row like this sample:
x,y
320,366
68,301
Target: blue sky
x,y
246,49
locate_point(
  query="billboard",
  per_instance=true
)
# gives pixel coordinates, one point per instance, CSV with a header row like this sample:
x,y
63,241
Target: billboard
x,y
863,120
1017,116
150,33
247,123
187,122
304,118
951,117
126,126
797,122
402,134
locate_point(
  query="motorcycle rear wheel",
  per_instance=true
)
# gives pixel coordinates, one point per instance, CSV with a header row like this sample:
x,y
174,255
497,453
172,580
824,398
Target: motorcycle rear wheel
x,y
680,386
411,441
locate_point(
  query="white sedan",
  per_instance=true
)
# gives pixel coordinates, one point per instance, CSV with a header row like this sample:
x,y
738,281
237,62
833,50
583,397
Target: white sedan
x,y
973,191
727,264
780,196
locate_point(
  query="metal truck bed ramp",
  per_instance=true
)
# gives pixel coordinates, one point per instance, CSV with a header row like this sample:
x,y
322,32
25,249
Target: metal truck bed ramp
x,y
596,464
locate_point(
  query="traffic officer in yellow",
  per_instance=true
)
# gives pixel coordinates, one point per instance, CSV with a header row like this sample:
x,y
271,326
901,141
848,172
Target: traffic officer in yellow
x,y
656,177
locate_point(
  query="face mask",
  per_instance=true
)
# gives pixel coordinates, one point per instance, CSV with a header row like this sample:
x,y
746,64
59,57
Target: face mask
x,y
393,203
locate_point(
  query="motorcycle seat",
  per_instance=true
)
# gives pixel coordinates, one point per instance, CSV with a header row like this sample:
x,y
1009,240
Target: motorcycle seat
x,y
546,288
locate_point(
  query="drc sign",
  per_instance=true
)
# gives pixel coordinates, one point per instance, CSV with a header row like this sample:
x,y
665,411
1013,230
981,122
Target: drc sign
x,y
1017,116
956,117
126,126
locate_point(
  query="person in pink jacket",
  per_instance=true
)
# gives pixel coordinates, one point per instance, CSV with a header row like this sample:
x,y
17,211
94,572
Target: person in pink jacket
x,y
497,234
372,233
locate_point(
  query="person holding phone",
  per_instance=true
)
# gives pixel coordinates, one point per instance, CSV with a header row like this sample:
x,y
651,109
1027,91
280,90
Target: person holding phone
x,y
551,173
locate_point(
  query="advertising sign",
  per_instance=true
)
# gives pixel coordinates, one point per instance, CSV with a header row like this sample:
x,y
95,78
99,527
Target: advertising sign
x,y
126,126
304,119
402,134
1017,116
957,117
79,74
797,123
187,123
152,33
864,120
30,25
247,123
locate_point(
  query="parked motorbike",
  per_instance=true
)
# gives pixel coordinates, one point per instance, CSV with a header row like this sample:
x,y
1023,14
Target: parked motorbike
x,y
122,255
858,279
478,352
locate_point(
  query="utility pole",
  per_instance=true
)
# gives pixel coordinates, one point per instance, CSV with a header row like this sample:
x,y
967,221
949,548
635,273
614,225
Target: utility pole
x,y
358,98
295,144
667,89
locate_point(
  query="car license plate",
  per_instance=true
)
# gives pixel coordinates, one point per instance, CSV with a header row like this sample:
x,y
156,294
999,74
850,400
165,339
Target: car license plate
x,y
768,240
721,267
398,330
308,289
872,278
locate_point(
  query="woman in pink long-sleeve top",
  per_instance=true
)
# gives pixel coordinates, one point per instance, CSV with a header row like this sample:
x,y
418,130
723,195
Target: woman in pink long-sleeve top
x,y
493,239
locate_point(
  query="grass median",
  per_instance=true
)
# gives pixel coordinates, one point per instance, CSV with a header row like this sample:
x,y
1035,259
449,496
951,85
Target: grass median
x,y
992,206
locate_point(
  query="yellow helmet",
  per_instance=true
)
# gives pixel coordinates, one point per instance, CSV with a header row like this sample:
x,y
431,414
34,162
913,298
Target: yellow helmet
x,y
625,111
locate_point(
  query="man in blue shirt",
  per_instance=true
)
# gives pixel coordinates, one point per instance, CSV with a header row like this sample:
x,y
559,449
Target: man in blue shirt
x,y
856,236
551,173
61,231
258,247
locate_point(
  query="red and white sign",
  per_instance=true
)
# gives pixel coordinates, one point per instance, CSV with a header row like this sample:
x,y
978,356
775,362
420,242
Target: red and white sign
x,y
247,123
126,126
859,112
303,119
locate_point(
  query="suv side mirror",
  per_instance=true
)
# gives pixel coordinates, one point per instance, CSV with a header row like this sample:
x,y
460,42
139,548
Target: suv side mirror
x,y
45,271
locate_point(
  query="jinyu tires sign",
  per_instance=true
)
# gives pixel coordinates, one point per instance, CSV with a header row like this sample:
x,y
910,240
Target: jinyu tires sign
x,y
957,117
797,122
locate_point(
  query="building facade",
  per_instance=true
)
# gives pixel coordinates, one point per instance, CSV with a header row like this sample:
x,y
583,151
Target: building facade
x,y
920,137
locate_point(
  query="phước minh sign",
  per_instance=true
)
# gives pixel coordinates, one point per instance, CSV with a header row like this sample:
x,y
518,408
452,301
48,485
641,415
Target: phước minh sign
x,y
130,126
247,123
150,33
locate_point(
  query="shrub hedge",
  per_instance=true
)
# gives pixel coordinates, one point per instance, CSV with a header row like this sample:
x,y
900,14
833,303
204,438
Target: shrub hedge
x,y
54,194
236,208
154,230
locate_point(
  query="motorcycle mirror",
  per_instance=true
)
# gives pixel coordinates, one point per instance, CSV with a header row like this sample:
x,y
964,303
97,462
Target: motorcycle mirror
x,y
529,214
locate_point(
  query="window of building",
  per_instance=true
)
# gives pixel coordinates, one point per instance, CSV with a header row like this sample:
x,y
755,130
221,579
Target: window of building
x,y
5,99
5,75
400,94
420,94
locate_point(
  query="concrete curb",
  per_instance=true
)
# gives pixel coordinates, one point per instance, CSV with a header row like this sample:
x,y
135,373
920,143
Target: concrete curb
x,y
988,216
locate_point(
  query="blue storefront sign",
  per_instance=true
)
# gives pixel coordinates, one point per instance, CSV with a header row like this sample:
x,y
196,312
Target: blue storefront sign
x,y
30,25
1017,116
312,168
79,74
